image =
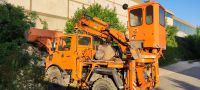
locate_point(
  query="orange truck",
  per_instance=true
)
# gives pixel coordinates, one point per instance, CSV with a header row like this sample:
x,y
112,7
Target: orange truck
x,y
71,60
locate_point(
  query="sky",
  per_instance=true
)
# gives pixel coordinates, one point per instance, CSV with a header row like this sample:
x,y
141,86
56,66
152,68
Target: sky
x,y
187,10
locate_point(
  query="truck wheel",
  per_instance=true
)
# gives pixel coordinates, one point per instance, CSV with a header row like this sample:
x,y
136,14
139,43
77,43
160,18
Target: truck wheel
x,y
55,79
104,84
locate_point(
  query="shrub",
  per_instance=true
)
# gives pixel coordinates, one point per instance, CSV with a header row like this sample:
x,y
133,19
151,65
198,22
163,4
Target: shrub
x,y
181,48
175,50
170,53
16,72
192,44
13,22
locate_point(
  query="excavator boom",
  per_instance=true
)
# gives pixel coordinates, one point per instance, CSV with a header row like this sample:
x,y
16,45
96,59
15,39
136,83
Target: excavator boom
x,y
97,27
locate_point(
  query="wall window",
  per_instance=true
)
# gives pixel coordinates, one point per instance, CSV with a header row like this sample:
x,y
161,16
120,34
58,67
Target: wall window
x,y
168,15
149,14
136,17
184,28
65,44
162,16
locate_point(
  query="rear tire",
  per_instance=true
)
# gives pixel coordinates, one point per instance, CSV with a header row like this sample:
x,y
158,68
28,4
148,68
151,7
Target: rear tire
x,y
104,84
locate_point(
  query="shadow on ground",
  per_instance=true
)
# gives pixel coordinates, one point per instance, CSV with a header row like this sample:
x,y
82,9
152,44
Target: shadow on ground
x,y
196,73
52,86
183,85
192,72
178,85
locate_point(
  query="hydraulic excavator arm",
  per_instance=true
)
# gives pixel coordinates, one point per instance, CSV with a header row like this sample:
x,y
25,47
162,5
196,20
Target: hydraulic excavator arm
x,y
97,27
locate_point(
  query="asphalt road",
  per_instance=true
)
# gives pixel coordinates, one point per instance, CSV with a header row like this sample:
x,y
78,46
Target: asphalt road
x,y
180,76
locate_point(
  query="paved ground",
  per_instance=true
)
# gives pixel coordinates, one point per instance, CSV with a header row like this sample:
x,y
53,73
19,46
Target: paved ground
x,y
180,76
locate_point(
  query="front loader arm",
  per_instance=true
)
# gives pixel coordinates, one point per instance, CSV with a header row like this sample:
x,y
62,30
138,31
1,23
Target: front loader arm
x,y
43,38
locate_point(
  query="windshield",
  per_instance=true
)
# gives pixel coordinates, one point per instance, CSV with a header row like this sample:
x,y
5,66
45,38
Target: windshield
x,y
84,40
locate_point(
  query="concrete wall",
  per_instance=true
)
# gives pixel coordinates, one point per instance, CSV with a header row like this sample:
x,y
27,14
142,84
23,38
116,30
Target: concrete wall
x,y
169,21
181,34
56,12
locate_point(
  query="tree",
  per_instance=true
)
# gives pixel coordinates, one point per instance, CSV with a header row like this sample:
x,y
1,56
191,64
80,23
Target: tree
x,y
171,33
14,21
198,31
16,72
95,10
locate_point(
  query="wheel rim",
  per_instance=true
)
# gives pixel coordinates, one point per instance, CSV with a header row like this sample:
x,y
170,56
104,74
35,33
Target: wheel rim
x,y
103,87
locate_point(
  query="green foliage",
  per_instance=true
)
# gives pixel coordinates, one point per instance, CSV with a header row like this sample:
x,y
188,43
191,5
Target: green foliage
x,y
175,50
192,44
13,22
198,31
95,10
44,23
181,48
171,32
170,55
16,72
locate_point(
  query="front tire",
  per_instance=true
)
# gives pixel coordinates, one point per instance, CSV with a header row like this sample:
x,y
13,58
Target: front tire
x,y
104,84
55,79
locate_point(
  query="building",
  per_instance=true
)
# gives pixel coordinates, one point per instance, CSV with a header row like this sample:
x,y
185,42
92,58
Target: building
x,y
57,12
183,27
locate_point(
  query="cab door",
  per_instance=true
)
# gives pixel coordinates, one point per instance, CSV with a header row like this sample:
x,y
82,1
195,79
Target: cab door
x,y
65,56
135,25
85,47
148,27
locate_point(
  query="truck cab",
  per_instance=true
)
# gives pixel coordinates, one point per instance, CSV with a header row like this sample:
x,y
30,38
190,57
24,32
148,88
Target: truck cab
x,y
70,51
146,24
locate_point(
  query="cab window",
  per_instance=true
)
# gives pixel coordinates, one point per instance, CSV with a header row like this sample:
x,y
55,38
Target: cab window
x,y
68,42
162,16
65,44
149,14
136,17
84,40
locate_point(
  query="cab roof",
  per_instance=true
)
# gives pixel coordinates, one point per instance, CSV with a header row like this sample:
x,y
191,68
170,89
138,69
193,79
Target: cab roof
x,y
144,4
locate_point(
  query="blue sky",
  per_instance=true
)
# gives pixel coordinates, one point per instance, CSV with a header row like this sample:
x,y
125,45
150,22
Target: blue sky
x,y
187,10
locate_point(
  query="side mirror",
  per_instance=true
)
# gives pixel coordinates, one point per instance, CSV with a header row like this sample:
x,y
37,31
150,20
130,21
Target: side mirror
x,y
125,6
